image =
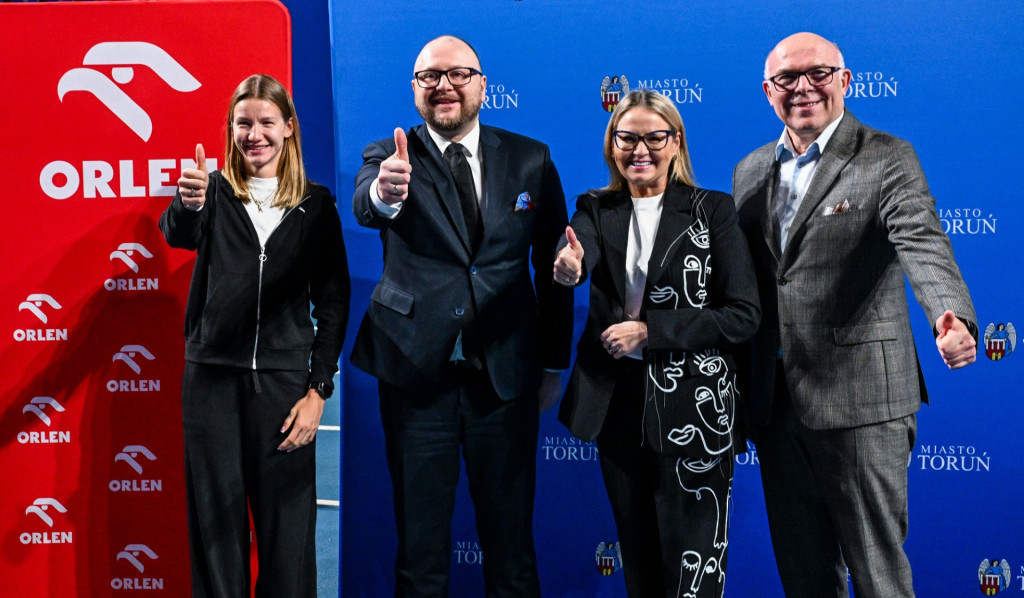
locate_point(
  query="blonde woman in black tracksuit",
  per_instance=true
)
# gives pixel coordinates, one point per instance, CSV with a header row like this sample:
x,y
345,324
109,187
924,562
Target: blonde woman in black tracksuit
x,y
257,369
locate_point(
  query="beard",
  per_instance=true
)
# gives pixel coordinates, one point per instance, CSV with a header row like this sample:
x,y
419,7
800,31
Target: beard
x,y
469,109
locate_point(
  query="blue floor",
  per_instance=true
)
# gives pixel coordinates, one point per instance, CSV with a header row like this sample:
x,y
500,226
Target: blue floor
x,y
328,488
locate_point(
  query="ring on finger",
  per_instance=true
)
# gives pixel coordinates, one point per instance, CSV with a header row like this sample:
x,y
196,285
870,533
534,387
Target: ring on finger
x,y
394,189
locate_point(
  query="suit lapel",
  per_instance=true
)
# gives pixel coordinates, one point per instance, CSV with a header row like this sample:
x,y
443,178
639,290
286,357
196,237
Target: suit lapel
x,y
424,155
837,153
495,157
674,227
771,236
614,222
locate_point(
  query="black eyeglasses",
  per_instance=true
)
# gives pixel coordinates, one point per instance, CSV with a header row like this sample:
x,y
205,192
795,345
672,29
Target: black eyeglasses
x,y
818,76
628,140
457,77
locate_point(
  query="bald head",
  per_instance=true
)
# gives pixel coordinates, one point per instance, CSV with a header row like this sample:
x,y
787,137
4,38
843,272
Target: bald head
x,y
451,110
447,44
811,95
799,42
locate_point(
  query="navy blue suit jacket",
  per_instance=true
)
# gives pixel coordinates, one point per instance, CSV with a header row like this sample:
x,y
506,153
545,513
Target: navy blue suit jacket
x,y
431,275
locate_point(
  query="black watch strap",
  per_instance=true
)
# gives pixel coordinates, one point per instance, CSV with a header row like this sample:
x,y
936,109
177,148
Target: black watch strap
x,y
321,389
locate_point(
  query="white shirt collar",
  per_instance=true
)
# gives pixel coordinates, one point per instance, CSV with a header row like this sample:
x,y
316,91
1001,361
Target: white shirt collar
x,y
471,141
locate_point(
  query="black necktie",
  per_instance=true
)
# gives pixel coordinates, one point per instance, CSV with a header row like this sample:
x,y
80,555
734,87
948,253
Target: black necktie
x,y
455,156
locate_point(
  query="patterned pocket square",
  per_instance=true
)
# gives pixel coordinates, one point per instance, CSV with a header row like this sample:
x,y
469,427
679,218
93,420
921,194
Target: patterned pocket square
x,y
523,202
839,208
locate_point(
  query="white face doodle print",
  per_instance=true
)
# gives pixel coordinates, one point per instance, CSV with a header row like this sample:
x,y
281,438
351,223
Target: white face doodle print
x,y
695,279
697,271
695,565
689,412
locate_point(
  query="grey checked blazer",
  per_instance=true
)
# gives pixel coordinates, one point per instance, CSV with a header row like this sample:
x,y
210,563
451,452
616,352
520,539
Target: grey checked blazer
x,y
835,300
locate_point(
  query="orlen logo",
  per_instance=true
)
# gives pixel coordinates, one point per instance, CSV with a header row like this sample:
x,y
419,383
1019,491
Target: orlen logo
x,y
41,505
130,452
40,508
128,253
128,355
36,300
37,407
131,455
107,91
34,304
38,404
125,251
131,553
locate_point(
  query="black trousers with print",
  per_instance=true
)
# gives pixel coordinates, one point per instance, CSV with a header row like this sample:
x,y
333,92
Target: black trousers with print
x,y
672,516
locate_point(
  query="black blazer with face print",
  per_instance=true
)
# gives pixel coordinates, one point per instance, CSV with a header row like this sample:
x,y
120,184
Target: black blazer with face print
x,y
700,301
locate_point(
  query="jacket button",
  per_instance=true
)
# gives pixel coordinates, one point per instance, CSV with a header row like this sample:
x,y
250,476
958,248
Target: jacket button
x,y
472,269
783,281
459,311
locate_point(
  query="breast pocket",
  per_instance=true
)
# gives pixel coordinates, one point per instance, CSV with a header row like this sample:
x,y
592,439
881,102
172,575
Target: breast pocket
x,y
848,225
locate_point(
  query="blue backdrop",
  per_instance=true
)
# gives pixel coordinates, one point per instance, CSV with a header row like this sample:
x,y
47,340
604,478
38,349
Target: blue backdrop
x,y
942,75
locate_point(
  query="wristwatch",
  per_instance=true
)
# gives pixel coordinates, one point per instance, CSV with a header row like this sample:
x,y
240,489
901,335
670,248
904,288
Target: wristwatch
x,y
321,389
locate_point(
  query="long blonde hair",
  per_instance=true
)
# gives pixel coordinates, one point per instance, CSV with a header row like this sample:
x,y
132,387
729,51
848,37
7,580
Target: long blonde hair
x,y
681,170
292,184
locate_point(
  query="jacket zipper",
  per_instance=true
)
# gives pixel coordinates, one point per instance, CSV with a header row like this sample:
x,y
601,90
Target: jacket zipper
x,y
259,281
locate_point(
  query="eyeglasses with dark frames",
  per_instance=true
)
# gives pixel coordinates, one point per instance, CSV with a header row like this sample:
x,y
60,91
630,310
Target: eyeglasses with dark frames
x,y
458,77
818,76
628,140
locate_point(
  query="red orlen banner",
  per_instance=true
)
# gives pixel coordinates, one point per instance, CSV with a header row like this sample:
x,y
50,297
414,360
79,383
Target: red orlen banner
x,y
105,102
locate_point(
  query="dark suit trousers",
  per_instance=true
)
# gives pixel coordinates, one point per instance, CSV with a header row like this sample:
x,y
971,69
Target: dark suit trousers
x,y
837,498
231,437
672,522
498,441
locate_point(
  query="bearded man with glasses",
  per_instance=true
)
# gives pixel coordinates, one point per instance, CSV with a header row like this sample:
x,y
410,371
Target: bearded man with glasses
x,y
836,214
466,348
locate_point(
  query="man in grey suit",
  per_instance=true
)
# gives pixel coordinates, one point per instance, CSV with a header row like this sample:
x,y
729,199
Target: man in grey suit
x,y
835,214
465,347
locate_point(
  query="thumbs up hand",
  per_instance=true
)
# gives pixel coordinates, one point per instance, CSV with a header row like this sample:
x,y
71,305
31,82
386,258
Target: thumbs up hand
x,y
955,343
395,173
194,181
569,261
